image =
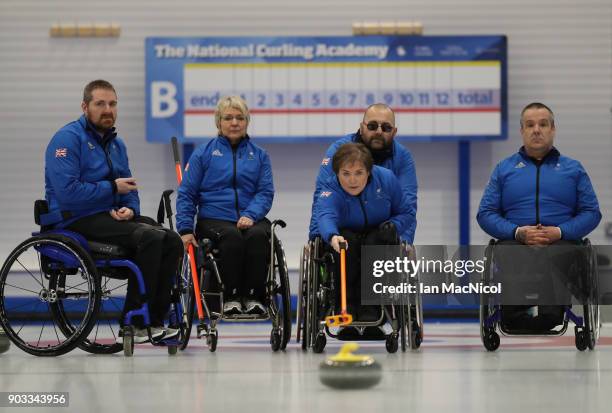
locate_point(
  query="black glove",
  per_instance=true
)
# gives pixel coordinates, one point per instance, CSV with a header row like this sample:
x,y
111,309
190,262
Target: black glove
x,y
387,233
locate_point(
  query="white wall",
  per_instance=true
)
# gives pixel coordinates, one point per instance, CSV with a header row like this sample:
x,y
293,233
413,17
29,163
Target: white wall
x,y
560,53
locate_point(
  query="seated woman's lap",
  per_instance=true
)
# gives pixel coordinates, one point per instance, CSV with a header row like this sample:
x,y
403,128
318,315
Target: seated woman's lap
x,y
355,240
243,255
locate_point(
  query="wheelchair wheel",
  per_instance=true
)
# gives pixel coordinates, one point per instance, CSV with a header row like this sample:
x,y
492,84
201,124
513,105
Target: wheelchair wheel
x,y
319,344
491,340
489,337
592,322
403,326
211,340
416,323
591,325
187,302
411,314
128,341
275,340
311,330
305,300
43,277
284,310
103,336
391,343
5,343
301,304
580,338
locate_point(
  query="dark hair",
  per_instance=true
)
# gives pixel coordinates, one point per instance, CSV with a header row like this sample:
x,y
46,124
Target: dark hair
x,y
538,105
350,153
96,84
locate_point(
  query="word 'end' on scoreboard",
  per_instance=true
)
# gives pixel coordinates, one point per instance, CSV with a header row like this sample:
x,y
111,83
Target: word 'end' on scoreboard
x,y
442,88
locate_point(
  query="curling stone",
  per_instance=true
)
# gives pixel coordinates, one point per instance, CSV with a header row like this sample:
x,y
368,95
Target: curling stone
x,y
346,370
5,343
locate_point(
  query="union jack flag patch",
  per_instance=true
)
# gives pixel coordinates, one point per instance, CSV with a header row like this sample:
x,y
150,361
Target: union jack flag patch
x,y
325,161
325,194
61,152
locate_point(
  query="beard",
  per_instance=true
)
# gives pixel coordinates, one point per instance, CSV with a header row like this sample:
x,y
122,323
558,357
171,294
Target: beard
x,y
378,143
103,124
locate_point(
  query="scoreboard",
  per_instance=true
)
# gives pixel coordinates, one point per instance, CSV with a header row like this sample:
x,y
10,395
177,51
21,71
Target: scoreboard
x,y
442,88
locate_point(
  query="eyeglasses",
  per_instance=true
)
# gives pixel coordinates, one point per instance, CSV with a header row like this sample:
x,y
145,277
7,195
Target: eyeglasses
x,y
229,118
373,126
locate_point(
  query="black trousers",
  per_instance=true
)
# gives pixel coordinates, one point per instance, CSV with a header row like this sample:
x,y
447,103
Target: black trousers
x,y
525,269
372,236
155,250
243,255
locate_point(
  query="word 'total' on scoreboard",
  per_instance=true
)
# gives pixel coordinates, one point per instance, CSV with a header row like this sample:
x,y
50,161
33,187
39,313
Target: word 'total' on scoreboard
x,y
442,88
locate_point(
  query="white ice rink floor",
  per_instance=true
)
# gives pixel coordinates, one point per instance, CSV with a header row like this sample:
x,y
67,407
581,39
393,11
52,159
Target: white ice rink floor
x,y
451,372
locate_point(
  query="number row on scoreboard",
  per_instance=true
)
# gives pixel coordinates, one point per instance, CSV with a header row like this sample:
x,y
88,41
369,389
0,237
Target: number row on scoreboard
x,y
346,100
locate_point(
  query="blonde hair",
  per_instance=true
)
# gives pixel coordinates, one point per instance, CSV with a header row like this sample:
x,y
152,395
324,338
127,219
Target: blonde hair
x,y
231,102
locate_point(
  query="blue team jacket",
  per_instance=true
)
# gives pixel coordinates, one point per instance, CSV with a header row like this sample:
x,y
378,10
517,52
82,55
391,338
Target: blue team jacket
x,y
80,168
556,193
400,162
225,185
381,200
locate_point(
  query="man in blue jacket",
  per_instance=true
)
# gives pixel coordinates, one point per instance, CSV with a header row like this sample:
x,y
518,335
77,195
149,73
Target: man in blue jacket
x,y
90,190
376,132
538,196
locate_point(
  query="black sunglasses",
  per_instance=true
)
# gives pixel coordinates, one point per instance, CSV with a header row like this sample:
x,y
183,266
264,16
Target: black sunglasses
x,y
386,127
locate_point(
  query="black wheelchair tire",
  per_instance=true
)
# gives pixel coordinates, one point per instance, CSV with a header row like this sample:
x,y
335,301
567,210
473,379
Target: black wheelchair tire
x,y
73,336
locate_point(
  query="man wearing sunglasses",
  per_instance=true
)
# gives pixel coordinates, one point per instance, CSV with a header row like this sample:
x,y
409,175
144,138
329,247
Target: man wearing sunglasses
x,y
376,132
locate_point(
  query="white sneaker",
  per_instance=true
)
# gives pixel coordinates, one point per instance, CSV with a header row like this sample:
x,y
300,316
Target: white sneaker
x,y
142,336
254,307
232,307
170,332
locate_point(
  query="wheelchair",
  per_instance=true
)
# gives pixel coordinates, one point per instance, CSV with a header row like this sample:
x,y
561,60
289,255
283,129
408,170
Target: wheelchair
x,y
586,327
210,280
59,291
5,343
317,300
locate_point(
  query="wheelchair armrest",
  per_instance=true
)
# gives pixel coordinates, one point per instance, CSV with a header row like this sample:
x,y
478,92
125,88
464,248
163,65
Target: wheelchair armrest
x,y
165,206
41,207
279,222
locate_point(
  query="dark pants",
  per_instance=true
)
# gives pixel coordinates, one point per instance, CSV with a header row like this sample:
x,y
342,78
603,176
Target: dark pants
x,y
355,240
549,273
155,250
243,256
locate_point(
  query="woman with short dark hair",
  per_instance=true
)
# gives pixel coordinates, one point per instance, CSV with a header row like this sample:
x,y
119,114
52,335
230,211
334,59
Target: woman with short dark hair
x,y
361,205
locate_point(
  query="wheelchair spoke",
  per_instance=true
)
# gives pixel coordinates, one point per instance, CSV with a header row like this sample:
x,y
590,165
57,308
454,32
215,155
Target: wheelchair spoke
x,y
29,272
40,267
21,288
40,335
56,335
75,287
19,306
106,291
112,302
110,326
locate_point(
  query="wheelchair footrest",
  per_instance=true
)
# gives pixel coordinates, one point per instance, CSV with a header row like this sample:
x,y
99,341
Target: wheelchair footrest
x,y
361,334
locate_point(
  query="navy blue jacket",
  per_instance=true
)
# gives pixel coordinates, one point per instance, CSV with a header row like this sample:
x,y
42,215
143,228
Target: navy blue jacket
x,y
222,184
399,161
556,193
80,170
381,200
